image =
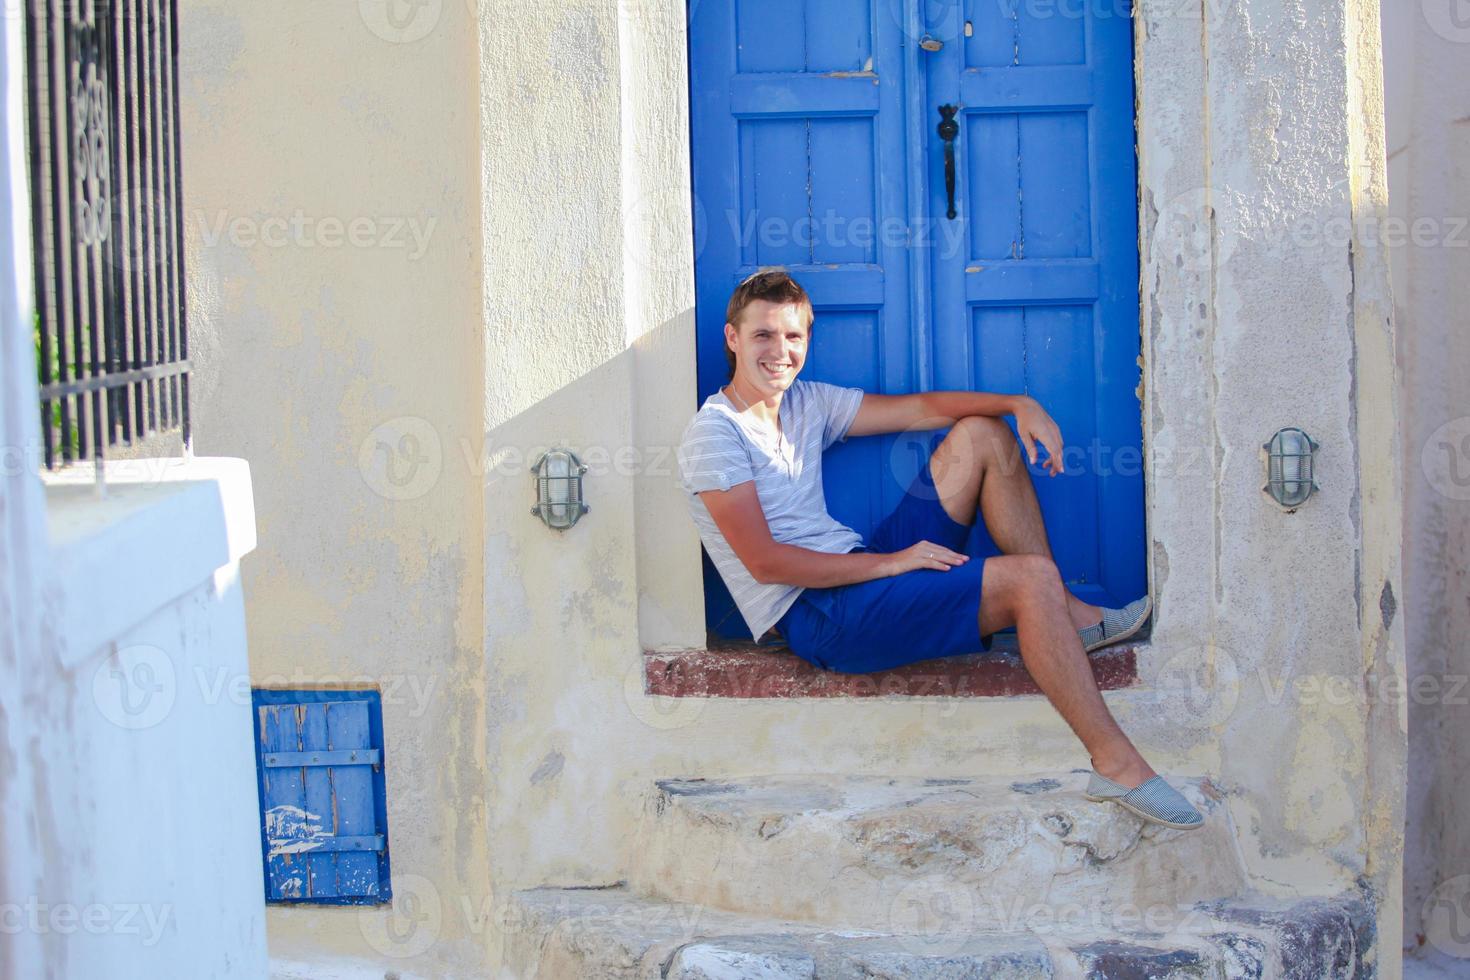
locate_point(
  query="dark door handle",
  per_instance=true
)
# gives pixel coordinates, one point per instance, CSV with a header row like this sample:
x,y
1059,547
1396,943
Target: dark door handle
x,y
948,130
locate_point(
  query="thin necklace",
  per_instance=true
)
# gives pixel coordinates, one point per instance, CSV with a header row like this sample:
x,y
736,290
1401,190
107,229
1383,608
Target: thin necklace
x,y
744,406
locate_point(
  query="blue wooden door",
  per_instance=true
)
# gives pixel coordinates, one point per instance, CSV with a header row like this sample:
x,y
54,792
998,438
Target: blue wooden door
x,y
1039,292
815,147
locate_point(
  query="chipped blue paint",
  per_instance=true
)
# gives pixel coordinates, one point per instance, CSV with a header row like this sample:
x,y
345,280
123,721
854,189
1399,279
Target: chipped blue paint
x,y
291,830
323,810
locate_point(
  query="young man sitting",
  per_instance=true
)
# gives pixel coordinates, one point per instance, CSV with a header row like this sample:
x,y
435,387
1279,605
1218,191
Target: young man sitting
x,y
751,463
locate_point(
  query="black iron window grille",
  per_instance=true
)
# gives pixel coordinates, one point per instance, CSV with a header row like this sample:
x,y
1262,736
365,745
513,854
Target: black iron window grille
x,y
112,342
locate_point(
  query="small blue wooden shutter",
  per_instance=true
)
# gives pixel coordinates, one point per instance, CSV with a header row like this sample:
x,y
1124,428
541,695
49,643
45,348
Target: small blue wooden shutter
x,y
324,828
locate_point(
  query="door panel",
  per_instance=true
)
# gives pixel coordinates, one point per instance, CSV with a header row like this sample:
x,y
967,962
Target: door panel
x,y
1032,194
1005,33
1042,297
807,185
811,36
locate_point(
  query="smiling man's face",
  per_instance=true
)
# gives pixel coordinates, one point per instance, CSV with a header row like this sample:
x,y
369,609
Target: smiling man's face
x,y
770,345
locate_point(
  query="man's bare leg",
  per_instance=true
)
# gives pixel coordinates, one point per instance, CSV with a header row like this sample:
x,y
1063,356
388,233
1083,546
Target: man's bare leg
x,y
1026,591
980,461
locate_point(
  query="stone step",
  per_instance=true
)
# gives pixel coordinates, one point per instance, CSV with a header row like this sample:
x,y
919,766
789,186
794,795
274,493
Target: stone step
x,y
611,934
743,670
874,852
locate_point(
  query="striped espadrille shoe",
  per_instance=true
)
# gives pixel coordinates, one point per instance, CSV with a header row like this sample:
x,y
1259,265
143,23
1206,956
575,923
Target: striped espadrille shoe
x,y
1117,624
1153,802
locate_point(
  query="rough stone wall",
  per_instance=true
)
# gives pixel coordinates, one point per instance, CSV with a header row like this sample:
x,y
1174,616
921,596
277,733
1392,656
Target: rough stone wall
x,y
1426,51
1254,320
1380,486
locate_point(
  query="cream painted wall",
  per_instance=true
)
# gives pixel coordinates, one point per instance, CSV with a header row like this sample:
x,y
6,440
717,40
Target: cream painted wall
x,y
1426,53
564,226
332,197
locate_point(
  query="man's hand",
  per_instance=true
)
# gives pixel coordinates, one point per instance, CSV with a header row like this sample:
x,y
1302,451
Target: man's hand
x,y
925,554
1034,425
737,513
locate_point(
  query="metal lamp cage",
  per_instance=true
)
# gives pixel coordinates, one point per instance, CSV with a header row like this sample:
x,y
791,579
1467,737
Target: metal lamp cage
x,y
559,489
1289,467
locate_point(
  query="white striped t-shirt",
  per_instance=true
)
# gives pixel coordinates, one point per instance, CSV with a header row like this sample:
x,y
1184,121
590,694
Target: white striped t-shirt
x,y
722,448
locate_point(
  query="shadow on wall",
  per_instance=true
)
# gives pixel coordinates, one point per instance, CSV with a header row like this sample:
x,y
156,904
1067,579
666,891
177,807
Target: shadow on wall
x,y
562,608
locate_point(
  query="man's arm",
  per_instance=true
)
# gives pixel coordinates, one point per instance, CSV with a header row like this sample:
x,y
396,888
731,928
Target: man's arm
x,y
939,409
738,514
926,410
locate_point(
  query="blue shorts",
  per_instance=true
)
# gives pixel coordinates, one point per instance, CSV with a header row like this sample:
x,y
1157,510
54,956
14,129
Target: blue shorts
x,y
901,619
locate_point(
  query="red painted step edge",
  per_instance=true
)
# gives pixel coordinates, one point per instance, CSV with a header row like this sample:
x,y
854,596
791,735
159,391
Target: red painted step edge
x,y
747,671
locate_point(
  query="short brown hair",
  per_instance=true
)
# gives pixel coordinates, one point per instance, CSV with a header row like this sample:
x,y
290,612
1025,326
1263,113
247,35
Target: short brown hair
x,y
774,285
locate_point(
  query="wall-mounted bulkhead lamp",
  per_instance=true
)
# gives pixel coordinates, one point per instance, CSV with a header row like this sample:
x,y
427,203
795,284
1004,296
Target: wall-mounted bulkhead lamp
x,y
1289,465
558,476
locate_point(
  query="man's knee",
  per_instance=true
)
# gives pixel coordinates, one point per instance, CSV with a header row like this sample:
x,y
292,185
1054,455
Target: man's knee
x,y
988,438
1025,580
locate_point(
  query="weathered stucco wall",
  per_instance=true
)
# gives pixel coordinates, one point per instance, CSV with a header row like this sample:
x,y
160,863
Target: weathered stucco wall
x,y
137,795
1263,309
1250,324
1376,413
331,188
144,795
1425,55
564,227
